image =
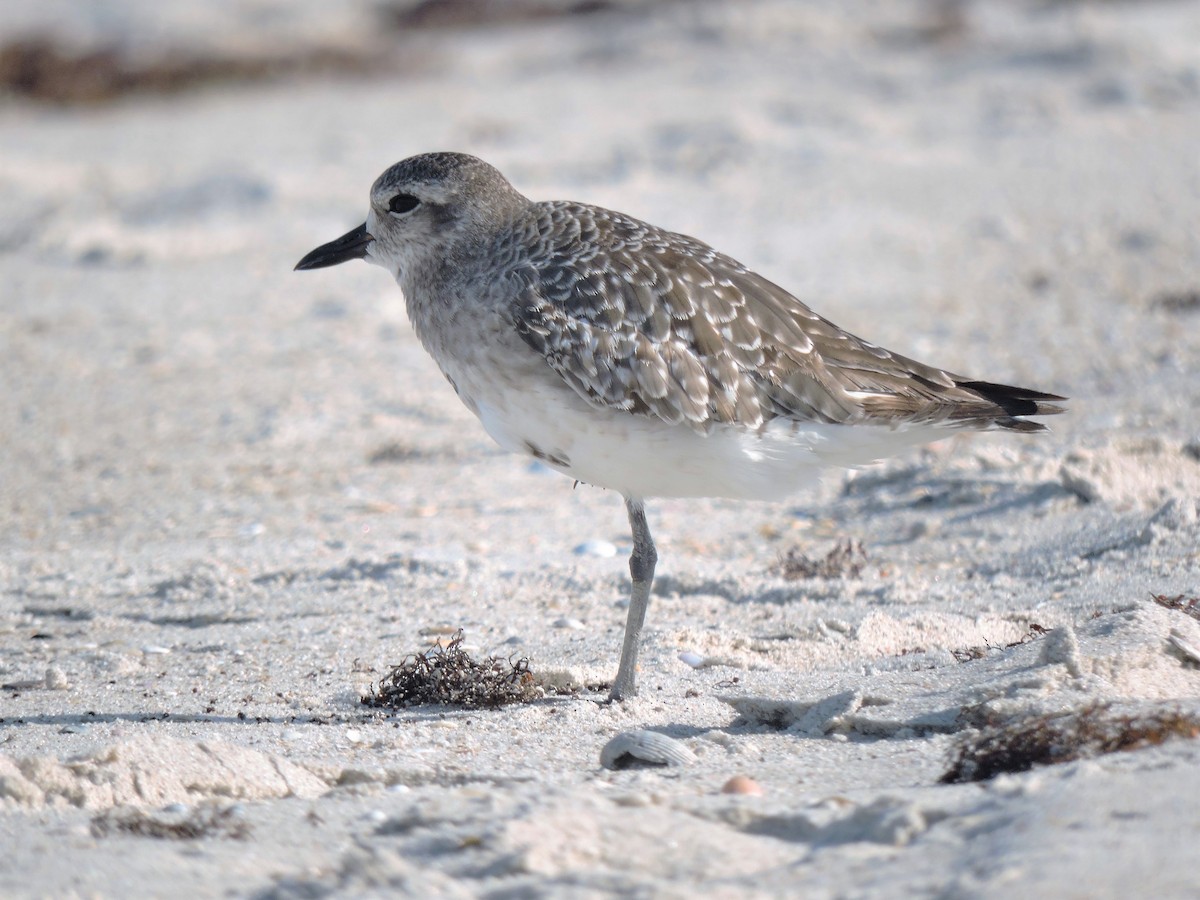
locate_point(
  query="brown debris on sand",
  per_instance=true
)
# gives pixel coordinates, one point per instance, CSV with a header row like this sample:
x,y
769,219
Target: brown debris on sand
x,y
846,560
448,676
1189,606
1062,737
205,821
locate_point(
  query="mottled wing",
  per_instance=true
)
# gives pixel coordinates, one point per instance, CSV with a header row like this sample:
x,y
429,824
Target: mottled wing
x,y
659,324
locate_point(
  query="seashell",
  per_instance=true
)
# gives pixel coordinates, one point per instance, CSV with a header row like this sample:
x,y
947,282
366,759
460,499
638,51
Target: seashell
x,y
644,748
1176,640
742,784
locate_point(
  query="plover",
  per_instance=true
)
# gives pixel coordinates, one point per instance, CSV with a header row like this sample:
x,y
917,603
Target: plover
x,y
636,359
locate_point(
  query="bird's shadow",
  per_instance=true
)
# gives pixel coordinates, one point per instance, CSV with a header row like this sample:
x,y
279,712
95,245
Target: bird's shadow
x,y
956,499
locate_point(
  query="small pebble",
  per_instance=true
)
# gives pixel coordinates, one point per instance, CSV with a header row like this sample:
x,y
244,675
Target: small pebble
x,y
151,649
354,736
567,622
740,784
56,679
695,660
603,549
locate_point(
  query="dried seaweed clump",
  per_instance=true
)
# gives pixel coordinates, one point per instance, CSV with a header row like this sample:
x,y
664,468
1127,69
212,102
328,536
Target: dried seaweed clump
x,y
846,560
447,675
1061,737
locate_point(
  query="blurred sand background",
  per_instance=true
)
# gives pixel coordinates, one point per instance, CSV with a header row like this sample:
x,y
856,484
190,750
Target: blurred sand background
x,y
232,496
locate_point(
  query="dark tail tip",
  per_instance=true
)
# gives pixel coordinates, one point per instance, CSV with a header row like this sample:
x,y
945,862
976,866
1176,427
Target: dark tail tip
x,y
1016,401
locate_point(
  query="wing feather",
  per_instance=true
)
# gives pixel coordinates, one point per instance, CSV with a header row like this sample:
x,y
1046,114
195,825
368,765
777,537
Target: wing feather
x,y
662,325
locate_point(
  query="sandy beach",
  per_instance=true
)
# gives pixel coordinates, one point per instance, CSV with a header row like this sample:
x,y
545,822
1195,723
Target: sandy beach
x,y
233,497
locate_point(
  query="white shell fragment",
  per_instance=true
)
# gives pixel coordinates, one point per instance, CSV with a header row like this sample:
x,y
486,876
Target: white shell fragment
x,y
602,549
1186,650
646,748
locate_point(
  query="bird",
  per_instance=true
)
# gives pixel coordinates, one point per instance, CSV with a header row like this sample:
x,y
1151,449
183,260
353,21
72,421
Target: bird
x,y
636,359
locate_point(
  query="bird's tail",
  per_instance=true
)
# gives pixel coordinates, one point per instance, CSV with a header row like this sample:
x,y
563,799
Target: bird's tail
x,y
1014,403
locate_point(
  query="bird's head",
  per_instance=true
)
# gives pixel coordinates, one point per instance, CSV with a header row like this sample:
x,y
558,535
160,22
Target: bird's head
x,y
432,203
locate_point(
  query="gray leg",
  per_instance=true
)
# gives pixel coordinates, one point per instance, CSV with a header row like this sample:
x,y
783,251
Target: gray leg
x,y
641,570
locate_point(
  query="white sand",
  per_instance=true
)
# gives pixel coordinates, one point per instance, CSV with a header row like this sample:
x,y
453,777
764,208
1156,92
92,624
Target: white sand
x,y
202,568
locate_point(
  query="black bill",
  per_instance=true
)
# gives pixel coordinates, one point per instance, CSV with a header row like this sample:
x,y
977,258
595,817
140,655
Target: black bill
x,y
352,245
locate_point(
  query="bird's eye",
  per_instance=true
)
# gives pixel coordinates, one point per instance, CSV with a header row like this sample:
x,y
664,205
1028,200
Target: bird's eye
x,y
403,203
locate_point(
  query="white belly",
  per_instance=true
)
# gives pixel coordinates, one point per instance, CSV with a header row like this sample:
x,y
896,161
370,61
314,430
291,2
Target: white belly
x,y
535,412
